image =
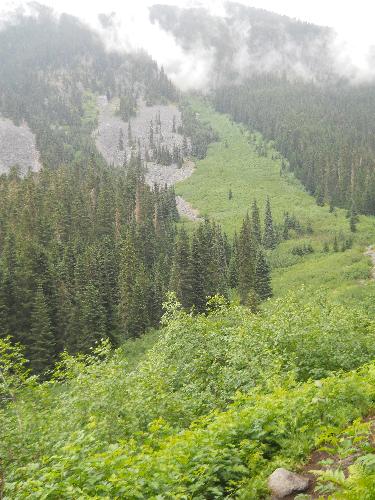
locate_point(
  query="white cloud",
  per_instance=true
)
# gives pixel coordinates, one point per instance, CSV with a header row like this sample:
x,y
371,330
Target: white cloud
x,y
352,21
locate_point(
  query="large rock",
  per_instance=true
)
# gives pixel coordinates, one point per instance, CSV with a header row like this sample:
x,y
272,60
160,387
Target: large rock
x,y
282,483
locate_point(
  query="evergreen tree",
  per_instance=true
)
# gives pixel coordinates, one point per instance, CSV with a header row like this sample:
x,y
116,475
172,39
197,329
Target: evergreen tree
x,y
42,345
269,238
181,270
255,220
198,297
233,264
262,277
127,274
246,260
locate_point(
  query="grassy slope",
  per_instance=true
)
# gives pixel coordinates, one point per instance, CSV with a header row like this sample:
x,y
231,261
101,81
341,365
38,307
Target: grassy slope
x,y
250,176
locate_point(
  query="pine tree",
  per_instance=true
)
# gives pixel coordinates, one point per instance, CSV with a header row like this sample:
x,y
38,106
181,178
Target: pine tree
x,y
246,260
262,277
269,239
42,343
255,219
127,274
90,316
198,274
138,319
181,270
233,264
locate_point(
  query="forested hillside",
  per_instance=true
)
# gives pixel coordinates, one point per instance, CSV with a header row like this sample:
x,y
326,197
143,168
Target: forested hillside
x,y
326,133
50,63
149,355
281,77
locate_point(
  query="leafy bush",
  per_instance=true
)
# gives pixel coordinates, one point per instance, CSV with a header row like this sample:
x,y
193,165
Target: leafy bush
x,y
214,404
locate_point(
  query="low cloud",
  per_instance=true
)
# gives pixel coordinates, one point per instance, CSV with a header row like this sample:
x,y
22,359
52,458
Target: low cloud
x,y
127,26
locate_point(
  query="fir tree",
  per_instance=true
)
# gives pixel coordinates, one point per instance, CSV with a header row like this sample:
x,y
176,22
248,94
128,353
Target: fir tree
x,y
269,239
198,297
255,220
233,264
126,285
246,260
181,270
42,343
262,277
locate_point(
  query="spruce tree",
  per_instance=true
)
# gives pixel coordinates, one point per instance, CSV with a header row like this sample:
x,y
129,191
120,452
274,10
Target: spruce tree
x,y
198,296
246,260
181,270
91,317
138,319
126,283
269,238
262,277
42,344
255,219
233,264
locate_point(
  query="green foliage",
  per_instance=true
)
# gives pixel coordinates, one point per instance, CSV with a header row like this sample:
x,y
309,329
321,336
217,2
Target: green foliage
x,y
213,406
305,121
250,177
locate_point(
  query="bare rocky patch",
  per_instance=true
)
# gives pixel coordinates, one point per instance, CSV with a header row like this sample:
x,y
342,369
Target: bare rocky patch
x,y
17,147
111,127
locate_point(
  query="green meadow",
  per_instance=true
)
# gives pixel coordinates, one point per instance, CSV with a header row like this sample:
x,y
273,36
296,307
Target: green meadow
x,y
233,164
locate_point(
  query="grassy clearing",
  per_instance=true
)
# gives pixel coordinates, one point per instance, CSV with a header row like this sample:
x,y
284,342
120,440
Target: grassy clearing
x,y
232,163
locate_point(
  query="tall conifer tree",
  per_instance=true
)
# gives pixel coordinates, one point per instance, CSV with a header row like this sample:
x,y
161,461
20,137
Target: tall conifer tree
x,y
262,277
269,239
246,260
42,343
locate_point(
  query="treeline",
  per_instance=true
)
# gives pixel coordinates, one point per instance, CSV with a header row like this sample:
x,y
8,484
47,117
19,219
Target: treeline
x,y
66,238
88,252
53,63
201,134
326,133
206,264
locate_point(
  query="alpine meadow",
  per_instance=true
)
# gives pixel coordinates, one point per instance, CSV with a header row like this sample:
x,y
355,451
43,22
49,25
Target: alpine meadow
x,y
187,252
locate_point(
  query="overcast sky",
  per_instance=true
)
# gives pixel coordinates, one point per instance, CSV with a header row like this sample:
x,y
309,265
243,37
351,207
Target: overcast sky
x,y
353,21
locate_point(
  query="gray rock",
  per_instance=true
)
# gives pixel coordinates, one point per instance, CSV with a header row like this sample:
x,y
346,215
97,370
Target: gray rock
x,y
282,483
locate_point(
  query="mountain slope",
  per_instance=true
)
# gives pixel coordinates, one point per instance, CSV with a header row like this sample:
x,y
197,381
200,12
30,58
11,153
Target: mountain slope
x,y
247,41
250,167
48,65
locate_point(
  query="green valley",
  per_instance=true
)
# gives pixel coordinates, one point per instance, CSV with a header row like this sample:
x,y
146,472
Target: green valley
x,y
233,164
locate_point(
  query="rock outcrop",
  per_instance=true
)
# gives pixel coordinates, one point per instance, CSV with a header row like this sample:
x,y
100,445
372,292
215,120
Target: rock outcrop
x,y
282,483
